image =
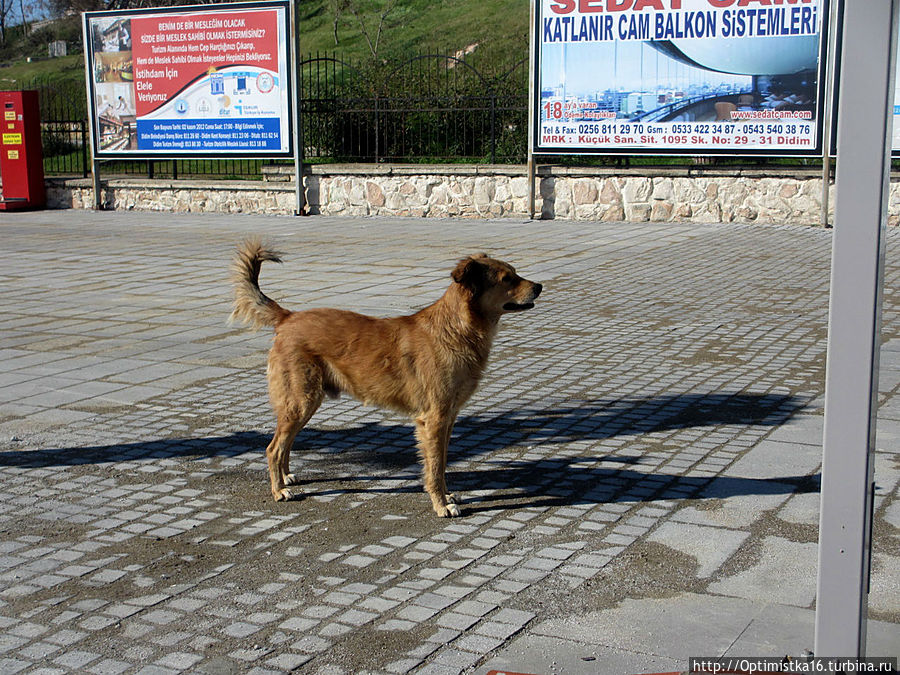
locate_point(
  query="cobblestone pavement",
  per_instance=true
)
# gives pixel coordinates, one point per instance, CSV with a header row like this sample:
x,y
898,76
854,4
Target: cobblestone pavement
x,y
644,449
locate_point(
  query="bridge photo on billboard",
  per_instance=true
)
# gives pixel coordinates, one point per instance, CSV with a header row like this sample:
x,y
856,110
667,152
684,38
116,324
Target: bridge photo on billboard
x,y
693,77
191,81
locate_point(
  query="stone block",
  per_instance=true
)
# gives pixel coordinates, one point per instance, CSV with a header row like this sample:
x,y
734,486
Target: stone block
x,y
374,194
584,191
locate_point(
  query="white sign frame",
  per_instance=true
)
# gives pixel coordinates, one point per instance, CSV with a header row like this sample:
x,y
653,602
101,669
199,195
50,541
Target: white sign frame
x,y
570,38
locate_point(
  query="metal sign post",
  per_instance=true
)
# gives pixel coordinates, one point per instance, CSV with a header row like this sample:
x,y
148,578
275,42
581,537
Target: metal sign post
x,y
854,324
531,85
95,165
829,68
299,202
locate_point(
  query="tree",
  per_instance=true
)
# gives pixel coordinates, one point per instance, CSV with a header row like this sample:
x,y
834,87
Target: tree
x,y
377,11
366,13
6,7
24,14
62,7
337,9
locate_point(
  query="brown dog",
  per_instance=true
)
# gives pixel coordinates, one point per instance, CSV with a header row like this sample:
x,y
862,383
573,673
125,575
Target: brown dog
x,y
427,364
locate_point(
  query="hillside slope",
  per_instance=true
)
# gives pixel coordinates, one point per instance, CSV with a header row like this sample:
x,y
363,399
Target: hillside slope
x,y
493,33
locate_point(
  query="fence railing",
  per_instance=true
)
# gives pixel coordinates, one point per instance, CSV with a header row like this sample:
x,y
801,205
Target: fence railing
x,y
427,108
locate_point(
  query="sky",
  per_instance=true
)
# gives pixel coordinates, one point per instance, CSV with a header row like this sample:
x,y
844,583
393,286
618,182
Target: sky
x,y
629,65
35,11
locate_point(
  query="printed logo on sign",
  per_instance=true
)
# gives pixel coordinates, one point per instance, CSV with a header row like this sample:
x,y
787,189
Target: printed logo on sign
x,y
265,82
181,106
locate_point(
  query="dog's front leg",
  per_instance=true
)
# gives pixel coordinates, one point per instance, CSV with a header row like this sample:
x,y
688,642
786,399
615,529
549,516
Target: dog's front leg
x,y
451,499
433,433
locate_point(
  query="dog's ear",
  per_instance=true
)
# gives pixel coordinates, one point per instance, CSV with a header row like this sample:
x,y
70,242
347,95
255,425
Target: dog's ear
x,y
470,273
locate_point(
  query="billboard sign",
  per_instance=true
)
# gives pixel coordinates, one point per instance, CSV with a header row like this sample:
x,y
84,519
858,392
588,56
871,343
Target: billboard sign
x,y
685,76
211,80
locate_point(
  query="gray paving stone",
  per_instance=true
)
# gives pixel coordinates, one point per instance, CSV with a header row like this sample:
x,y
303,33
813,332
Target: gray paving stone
x,y
9,665
311,644
288,662
416,613
544,654
109,667
75,659
786,571
241,629
774,460
711,547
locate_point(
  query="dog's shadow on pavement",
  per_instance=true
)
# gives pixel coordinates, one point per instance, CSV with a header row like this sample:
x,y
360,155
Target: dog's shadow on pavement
x,y
541,476
533,469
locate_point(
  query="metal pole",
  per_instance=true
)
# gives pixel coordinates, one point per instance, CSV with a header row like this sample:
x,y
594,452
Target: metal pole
x,y
826,177
531,190
85,141
493,127
95,173
299,201
531,105
376,129
854,325
830,77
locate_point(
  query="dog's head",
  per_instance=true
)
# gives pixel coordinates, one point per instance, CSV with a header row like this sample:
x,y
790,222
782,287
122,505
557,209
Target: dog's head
x,y
494,285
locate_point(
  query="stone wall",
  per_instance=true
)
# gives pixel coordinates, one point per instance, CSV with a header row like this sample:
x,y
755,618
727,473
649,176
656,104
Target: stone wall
x,y
662,195
179,196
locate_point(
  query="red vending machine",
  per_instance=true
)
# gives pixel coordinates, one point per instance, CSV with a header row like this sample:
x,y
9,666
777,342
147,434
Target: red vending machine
x,y
21,159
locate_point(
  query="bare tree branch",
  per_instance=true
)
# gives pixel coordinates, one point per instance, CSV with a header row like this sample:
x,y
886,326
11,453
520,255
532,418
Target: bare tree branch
x,y
386,10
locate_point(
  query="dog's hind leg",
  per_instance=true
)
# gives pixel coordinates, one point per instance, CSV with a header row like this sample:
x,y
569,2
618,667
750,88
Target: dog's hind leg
x,y
277,455
433,432
279,451
296,394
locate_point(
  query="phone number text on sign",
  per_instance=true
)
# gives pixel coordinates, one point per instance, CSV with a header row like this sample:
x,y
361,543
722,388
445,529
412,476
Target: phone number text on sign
x,y
700,135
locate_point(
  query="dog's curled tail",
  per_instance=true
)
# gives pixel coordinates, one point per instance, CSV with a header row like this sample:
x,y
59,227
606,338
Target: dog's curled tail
x,y
251,305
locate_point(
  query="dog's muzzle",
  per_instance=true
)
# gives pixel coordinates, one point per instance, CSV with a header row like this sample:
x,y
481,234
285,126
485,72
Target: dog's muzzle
x,y
521,307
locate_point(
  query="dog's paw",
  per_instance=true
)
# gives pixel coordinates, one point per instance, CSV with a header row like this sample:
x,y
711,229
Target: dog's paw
x,y
449,511
285,495
450,499
291,479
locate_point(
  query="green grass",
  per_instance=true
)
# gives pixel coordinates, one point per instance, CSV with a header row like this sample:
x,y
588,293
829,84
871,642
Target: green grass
x,y
499,28
65,68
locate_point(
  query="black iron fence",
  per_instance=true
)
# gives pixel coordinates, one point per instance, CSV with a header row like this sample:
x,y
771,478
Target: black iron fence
x,y
429,108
